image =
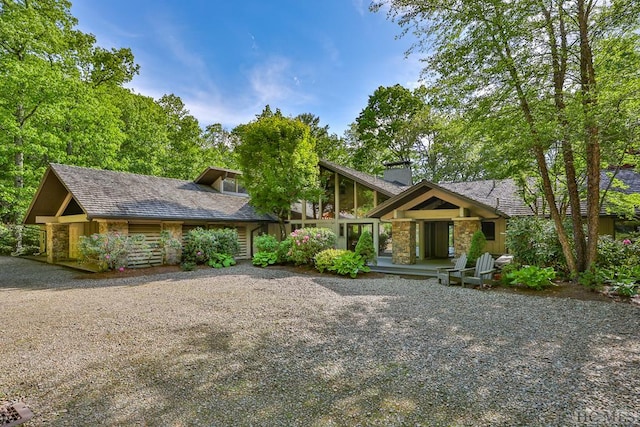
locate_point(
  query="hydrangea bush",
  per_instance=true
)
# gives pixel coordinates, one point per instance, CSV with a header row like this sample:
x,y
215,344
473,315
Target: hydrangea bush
x,y
307,242
110,251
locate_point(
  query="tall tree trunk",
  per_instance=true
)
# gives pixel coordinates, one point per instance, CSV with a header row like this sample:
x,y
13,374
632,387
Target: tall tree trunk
x,y
538,150
558,46
19,175
592,132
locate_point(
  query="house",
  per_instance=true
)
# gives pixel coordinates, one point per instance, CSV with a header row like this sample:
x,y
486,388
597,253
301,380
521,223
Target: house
x,y
426,220
74,201
348,196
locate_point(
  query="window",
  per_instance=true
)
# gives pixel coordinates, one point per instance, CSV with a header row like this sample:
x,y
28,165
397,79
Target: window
x,y
489,230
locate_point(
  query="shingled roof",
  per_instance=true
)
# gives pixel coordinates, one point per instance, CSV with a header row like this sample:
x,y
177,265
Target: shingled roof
x,y
121,195
503,195
385,187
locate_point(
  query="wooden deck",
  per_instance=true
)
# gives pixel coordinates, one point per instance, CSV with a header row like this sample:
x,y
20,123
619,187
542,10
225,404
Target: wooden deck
x,y
425,268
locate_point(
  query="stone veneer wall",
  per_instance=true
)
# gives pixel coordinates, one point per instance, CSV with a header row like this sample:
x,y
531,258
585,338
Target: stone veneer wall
x,y
463,230
57,242
404,242
173,256
120,227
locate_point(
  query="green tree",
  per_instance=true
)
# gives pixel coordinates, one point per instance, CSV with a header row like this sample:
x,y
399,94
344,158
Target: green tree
x,y
329,146
218,143
386,128
277,157
184,159
517,62
51,97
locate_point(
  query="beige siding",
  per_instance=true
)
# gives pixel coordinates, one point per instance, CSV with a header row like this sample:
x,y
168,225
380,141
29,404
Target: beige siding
x,y
497,246
606,226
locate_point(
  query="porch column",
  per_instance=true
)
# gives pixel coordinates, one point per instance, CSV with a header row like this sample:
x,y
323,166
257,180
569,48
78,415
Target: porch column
x,y
57,242
404,241
463,229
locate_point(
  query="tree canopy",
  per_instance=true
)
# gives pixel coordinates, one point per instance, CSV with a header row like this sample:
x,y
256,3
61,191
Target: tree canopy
x,y
529,70
277,157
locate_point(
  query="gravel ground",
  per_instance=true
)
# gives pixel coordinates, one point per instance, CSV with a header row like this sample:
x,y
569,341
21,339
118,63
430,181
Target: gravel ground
x,y
266,347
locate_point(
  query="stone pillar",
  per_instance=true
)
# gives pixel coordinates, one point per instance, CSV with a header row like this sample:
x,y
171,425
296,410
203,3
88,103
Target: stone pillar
x,y
463,229
404,241
118,226
57,242
173,256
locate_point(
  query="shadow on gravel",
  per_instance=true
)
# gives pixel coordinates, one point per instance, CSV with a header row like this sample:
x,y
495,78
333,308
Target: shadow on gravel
x,y
406,357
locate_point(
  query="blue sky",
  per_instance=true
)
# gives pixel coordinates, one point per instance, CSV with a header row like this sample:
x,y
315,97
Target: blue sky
x,y
227,59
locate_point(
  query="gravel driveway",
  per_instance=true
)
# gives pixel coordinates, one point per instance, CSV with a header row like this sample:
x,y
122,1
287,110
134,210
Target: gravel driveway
x,y
265,347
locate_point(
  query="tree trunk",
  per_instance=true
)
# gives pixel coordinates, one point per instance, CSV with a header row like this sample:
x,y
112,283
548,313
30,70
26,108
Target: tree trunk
x,y
538,150
592,132
558,46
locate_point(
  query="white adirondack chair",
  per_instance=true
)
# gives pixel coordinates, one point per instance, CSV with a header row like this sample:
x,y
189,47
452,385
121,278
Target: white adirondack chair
x,y
482,272
445,275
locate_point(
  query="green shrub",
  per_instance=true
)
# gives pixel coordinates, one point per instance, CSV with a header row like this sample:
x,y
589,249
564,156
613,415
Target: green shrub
x,y
201,245
219,260
109,251
594,278
307,242
505,271
349,263
324,260
284,250
188,266
478,242
264,259
626,289
534,241
383,241
170,247
365,248
267,243
533,276
616,253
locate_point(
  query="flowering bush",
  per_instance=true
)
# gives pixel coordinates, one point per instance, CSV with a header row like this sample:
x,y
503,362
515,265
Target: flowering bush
x,y
110,251
307,242
616,253
324,259
201,245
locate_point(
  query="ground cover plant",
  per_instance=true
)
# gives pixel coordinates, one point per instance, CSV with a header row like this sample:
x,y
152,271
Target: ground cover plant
x,y
215,247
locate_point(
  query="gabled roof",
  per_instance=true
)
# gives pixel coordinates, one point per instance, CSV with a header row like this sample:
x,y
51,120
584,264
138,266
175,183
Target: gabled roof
x,y
498,196
211,174
501,195
122,195
375,183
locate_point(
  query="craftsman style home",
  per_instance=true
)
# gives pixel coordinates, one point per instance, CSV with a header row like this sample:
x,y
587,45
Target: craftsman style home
x,y
425,220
